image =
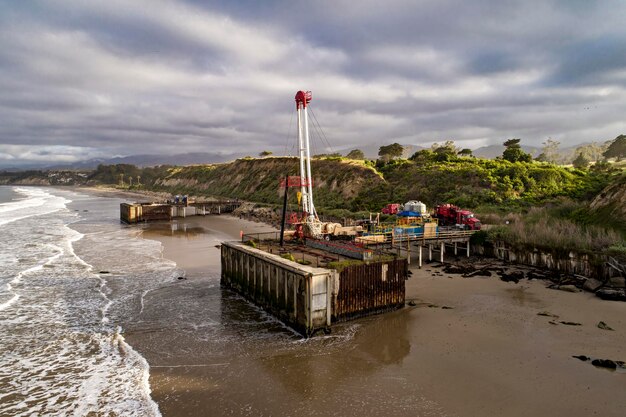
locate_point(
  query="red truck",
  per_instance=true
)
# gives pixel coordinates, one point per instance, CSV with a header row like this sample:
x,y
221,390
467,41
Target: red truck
x,y
391,209
450,215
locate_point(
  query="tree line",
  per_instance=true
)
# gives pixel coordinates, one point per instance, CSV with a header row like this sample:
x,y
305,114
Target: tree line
x,y
582,156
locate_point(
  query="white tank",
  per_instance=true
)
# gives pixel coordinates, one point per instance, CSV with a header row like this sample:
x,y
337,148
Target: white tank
x,y
416,206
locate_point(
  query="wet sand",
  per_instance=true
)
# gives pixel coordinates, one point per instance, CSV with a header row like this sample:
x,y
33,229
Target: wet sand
x,y
212,353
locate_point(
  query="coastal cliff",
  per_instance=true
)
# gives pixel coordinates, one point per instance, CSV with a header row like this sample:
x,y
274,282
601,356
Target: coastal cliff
x,y
337,182
611,201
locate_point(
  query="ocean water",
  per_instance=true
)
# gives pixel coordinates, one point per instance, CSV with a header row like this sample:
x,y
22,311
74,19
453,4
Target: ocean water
x,y
70,276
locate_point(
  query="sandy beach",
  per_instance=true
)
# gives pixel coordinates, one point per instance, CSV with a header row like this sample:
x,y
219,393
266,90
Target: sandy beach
x,y
468,347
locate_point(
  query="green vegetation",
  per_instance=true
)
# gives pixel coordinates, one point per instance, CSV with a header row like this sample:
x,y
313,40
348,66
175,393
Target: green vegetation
x,y
549,151
514,152
347,263
341,265
127,175
288,256
390,152
617,148
544,228
472,182
336,181
581,162
356,154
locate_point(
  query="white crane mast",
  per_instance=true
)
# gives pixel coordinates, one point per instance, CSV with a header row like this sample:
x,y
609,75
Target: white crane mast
x,y
306,180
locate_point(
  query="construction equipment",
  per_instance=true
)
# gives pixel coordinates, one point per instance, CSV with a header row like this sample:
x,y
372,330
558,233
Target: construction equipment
x,y
309,224
391,209
451,215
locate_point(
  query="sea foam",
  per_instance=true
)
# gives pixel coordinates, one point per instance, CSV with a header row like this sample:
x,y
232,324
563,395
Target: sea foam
x,y
62,353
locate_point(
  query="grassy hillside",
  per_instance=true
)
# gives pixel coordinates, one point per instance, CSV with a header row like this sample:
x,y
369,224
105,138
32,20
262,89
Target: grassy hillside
x,y
471,182
337,182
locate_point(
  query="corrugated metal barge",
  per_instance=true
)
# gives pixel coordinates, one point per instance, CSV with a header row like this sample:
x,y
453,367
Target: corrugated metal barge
x,y
311,298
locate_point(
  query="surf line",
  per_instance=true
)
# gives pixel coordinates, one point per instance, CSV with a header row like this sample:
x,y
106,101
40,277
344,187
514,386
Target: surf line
x,y
191,366
21,274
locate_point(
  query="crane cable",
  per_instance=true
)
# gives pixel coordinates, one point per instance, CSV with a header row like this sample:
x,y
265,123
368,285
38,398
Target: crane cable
x,y
318,127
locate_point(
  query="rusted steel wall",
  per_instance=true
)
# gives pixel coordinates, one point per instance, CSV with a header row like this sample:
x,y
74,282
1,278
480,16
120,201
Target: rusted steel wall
x,y
297,295
369,289
135,213
156,212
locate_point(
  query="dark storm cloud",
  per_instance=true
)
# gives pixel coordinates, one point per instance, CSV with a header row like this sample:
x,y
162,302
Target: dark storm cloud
x,y
593,61
84,79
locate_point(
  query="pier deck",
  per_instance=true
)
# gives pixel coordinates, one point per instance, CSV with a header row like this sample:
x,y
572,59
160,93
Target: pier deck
x,y
131,213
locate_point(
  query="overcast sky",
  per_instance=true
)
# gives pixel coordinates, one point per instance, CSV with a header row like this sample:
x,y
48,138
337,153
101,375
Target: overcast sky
x,y
82,79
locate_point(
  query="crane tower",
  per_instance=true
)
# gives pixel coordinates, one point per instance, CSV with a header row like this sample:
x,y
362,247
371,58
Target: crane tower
x,y
306,181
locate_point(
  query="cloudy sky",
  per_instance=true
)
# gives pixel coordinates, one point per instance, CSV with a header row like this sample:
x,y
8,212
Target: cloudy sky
x,y
82,79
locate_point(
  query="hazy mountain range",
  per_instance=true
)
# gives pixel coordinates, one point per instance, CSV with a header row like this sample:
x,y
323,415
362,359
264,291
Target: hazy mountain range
x,y
137,160
370,151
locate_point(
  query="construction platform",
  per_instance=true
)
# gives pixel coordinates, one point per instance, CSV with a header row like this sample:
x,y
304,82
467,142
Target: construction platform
x,y
310,288
147,212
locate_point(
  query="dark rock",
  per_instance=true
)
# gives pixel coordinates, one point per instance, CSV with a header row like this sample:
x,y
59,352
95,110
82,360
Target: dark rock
x,y
602,325
616,282
604,363
591,285
512,277
554,278
581,357
447,308
553,322
577,280
535,275
181,278
456,269
218,246
433,306
568,288
479,272
570,323
612,294
104,272
412,303
547,314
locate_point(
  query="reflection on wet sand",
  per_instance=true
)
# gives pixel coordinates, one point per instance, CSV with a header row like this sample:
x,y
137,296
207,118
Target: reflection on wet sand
x,y
328,362
522,296
173,229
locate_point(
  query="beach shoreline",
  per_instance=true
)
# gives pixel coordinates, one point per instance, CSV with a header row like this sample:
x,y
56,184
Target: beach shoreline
x,y
469,346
